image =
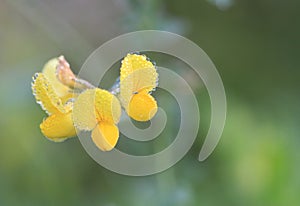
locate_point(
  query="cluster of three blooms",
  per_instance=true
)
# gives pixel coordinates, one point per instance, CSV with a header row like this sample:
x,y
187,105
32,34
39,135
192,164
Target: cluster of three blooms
x,y
75,105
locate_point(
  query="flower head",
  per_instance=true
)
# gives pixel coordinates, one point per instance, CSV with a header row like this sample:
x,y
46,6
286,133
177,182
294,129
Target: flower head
x,y
138,78
99,111
59,125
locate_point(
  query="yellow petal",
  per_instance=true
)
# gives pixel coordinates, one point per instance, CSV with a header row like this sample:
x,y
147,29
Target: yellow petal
x,y
142,107
49,71
93,106
46,96
58,127
84,115
107,107
105,136
133,62
142,80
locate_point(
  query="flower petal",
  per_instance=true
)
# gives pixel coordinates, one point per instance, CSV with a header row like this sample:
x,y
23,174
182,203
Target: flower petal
x,y
107,107
49,71
142,107
135,62
58,127
105,136
84,115
46,96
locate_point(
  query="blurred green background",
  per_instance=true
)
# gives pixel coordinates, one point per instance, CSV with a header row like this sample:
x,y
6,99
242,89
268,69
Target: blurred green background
x,y
253,43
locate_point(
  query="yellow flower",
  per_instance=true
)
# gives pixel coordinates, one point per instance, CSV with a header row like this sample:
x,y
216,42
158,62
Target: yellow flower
x,y
138,78
59,125
98,111
94,109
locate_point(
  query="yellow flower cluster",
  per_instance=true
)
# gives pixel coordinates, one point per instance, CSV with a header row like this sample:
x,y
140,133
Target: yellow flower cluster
x,y
74,104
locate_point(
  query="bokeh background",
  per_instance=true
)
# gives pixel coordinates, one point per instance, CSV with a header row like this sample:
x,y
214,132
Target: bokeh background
x,y
253,43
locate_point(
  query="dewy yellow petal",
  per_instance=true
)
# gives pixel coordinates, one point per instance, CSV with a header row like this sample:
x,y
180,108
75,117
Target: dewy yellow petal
x,y
133,62
105,136
84,115
49,71
58,127
46,96
142,107
107,106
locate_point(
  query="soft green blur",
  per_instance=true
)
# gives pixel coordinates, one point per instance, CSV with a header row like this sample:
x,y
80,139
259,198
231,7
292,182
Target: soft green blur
x,y
255,46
